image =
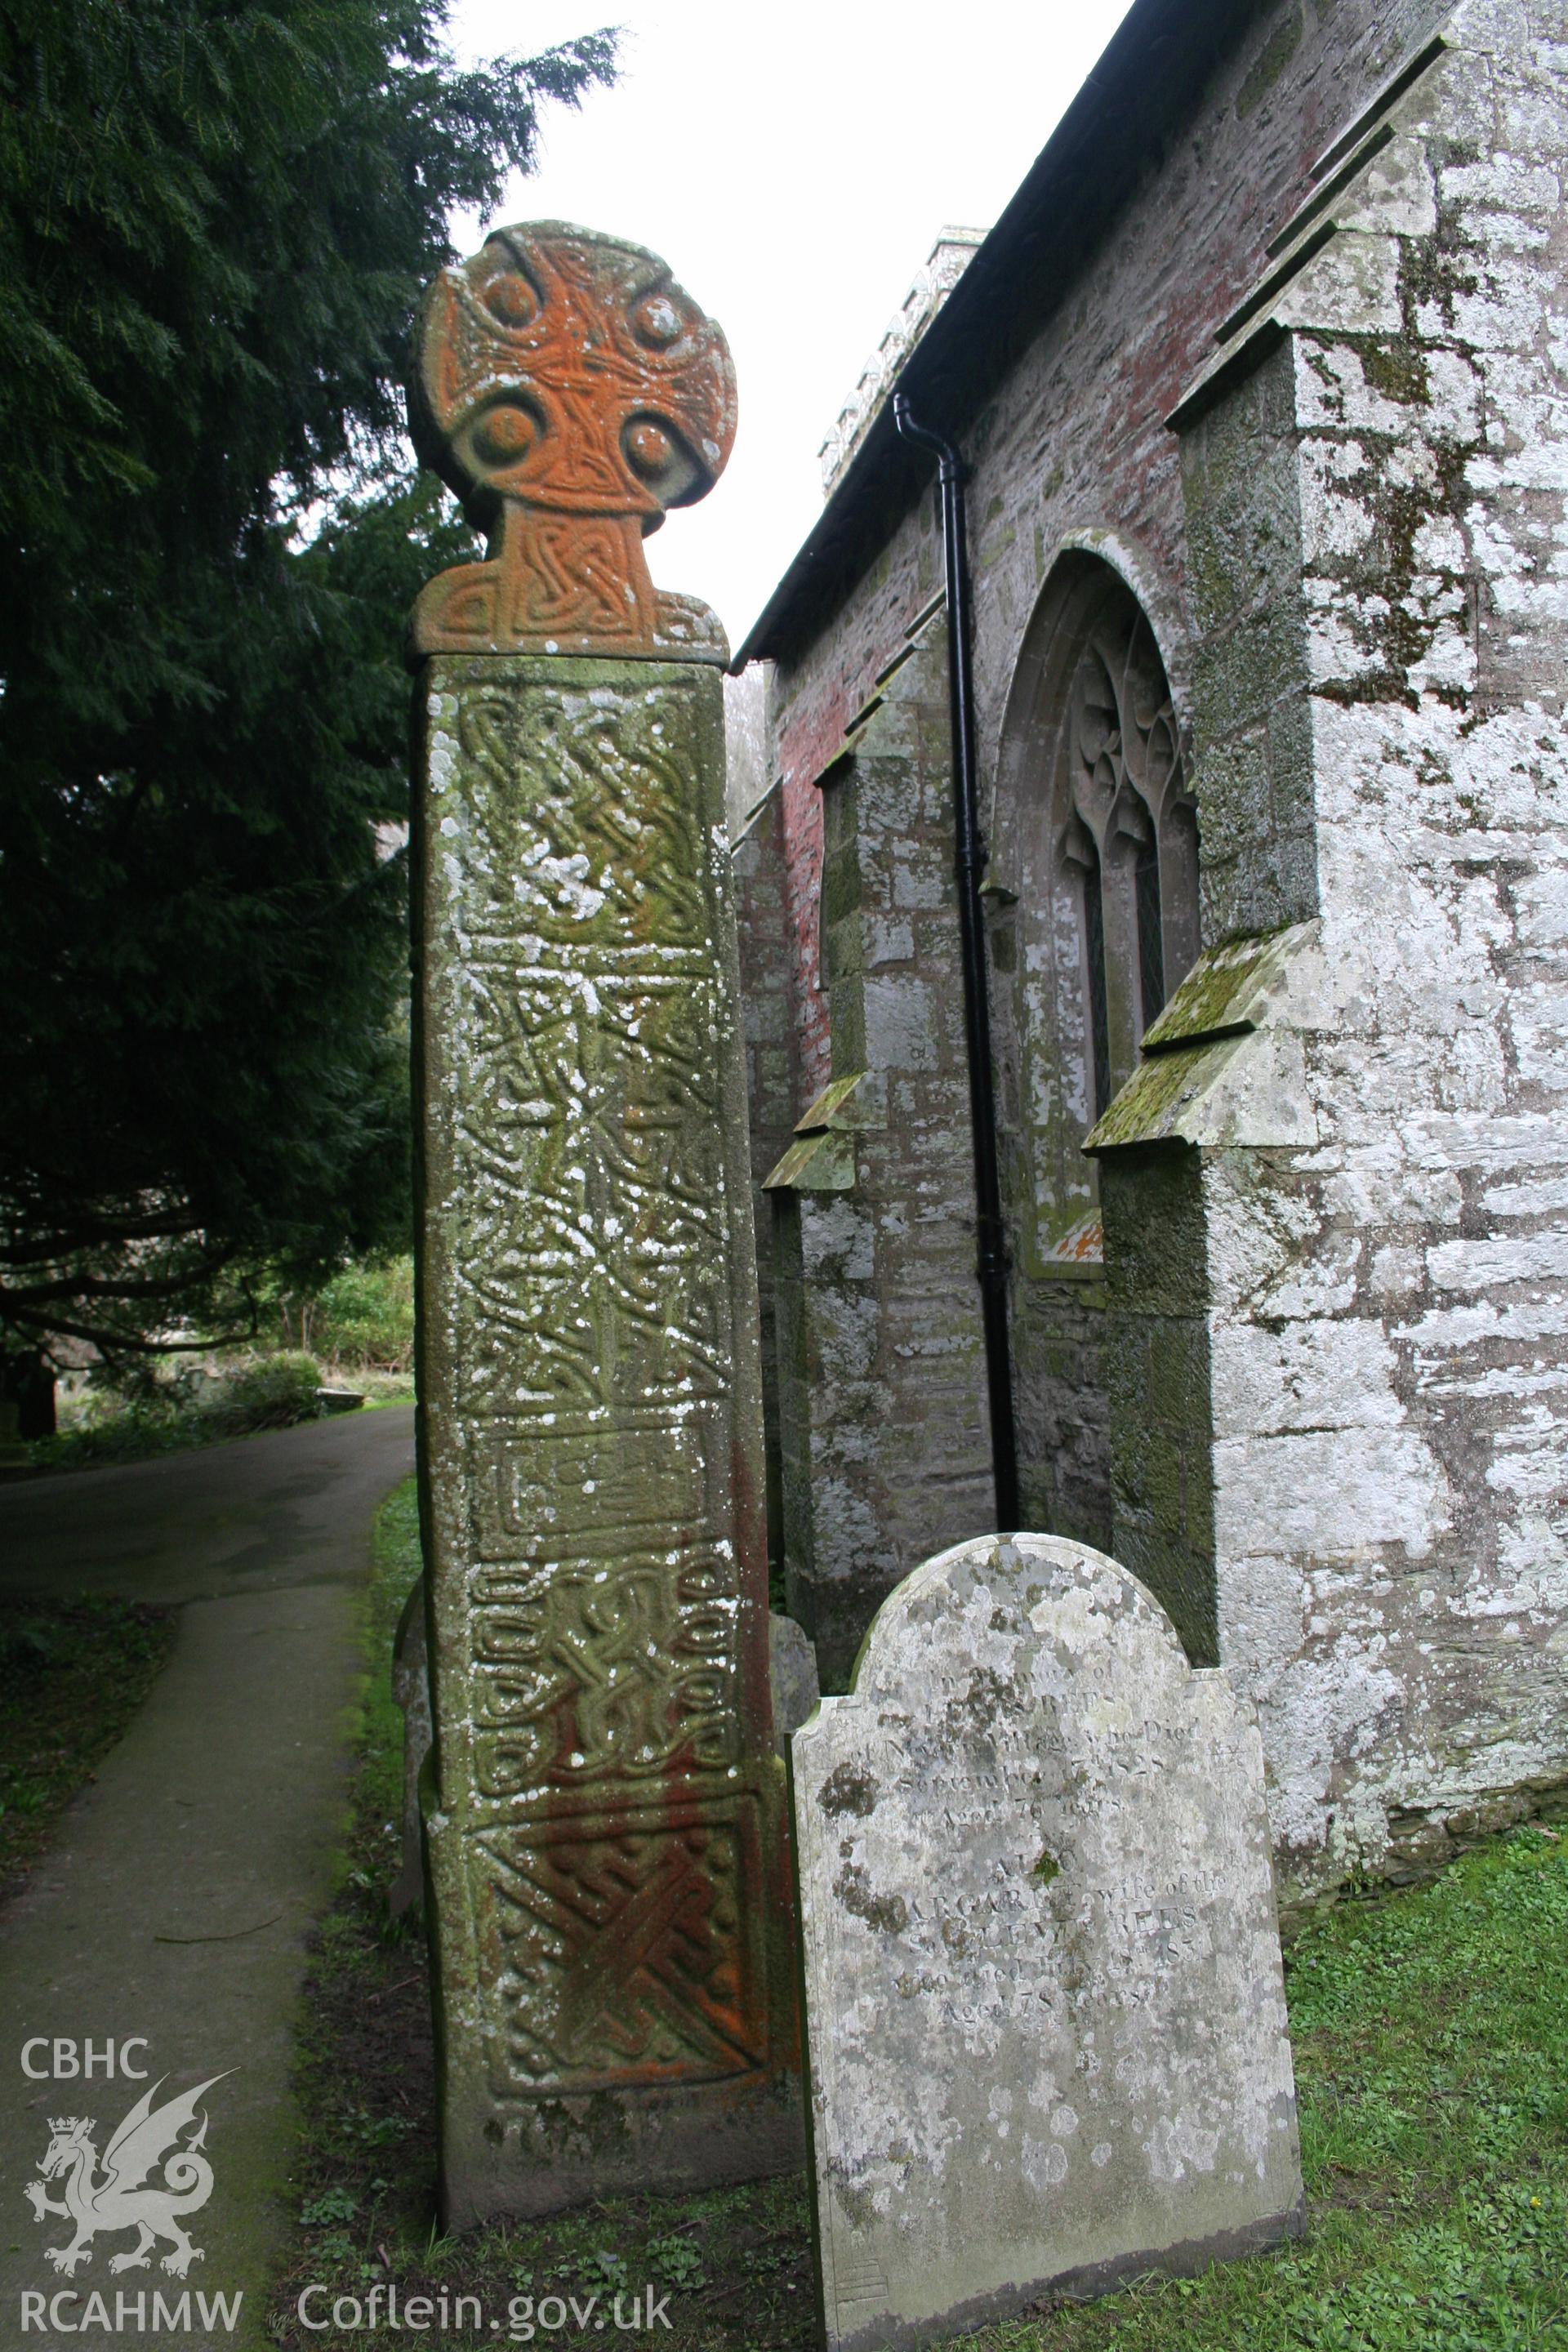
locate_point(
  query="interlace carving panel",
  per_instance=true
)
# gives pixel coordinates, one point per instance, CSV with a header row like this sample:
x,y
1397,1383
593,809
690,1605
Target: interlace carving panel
x,y
614,1842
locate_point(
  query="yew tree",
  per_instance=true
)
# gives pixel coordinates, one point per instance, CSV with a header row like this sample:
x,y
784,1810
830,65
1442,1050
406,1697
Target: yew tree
x,y
215,216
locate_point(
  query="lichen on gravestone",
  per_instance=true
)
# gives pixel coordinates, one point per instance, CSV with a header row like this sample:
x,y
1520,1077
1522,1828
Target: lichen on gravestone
x,y
1044,2006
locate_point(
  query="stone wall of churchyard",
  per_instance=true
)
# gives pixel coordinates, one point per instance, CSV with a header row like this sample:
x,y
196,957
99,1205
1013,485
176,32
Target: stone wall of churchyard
x,y
1353,557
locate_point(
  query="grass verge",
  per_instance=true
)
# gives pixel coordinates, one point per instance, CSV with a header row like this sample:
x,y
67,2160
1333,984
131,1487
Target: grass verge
x,y
1431,2039
72,1675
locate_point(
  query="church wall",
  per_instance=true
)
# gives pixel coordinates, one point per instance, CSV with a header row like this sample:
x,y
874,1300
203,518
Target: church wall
x,y
1073,450
1330,1411
881,1367
1075,443
762,940
1387,1307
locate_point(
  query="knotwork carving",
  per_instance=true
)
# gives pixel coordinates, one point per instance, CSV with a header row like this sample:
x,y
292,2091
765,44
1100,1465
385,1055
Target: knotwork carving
x,y
570,392
602,845
606,1668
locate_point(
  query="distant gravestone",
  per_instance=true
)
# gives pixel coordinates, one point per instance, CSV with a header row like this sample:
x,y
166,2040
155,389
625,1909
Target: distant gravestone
x,y
604,1810
1045,2011
793,1675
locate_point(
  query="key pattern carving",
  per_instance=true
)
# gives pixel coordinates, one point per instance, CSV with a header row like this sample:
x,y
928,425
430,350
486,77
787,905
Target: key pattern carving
x,y
598,1200
623,1950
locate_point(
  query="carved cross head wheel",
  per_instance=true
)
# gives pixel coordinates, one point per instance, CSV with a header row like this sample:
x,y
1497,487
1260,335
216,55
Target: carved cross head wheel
x,y
569,391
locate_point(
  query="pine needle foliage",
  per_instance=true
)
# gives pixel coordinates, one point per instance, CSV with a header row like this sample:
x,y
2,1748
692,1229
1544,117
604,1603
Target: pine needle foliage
x,y
215,217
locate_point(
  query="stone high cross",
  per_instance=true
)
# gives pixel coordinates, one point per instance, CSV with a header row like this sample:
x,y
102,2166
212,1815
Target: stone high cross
x,y
603,1813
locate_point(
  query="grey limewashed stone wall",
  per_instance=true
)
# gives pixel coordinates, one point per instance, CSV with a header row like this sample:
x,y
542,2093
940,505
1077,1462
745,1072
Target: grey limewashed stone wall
x,y
879,1365
1305,401
1384,1249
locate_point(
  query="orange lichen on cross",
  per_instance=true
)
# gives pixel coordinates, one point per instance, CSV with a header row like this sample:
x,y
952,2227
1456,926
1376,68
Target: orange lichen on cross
x,y
569,391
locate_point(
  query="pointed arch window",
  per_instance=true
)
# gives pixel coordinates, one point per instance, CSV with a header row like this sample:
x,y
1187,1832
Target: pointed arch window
x,y
1095,905
1130,839
1079,850
1151,935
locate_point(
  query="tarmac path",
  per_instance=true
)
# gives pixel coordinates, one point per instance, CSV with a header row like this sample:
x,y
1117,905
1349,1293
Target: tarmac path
x,y
173,1907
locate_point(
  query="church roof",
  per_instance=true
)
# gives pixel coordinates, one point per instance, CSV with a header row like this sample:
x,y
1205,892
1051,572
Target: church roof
x,y
1147,80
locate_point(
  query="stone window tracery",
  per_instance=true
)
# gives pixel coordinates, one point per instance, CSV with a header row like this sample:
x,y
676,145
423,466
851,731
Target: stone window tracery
x,y
1094,888
1128,836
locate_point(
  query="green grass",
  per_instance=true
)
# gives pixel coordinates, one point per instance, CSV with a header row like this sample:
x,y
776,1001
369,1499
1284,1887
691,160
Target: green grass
x,y
1431,2039
396,1556
72,1675
364,2066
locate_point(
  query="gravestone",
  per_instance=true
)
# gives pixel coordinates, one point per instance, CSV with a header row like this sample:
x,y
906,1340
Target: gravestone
x,y
1044,2012
604,1810
793,1677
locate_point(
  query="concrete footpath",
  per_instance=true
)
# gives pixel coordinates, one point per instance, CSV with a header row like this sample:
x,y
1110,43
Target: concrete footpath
x,y
173,1909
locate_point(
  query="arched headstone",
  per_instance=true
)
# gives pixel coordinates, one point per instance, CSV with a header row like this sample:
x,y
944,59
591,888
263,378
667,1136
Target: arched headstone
x,y
1045,2011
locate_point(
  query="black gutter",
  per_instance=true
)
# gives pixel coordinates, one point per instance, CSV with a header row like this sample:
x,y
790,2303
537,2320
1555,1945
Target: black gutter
x,y
969,861
1111,139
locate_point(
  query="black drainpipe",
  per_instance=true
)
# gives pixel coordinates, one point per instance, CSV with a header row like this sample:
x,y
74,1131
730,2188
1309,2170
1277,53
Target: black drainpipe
x,y
970,863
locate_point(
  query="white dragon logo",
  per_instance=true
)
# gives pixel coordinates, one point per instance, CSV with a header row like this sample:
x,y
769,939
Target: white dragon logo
x,y
118,2200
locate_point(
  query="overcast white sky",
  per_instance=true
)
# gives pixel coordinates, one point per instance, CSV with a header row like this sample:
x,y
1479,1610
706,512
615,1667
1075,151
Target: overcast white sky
x,y
793,162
